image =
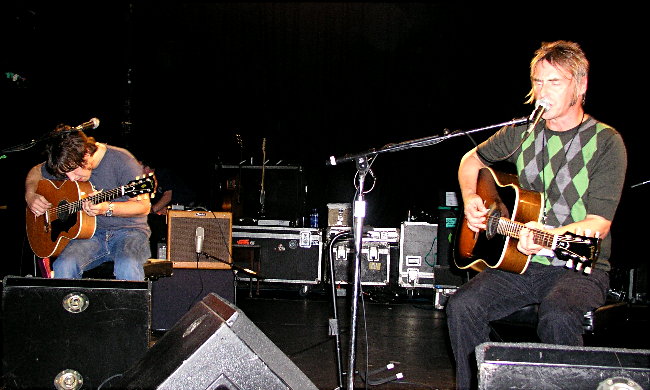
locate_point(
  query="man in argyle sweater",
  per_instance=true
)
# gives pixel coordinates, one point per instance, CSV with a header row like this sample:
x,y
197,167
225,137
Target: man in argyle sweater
x,y
578,164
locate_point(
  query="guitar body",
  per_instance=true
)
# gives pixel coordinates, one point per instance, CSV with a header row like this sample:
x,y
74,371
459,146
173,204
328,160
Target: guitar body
x,y
49,233
504,197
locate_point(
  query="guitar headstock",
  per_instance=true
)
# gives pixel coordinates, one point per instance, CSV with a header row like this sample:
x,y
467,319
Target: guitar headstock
x,y
142,185
580,252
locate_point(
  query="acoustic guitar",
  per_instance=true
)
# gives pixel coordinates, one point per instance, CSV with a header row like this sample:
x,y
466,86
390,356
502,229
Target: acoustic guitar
x,y
49,233
510,207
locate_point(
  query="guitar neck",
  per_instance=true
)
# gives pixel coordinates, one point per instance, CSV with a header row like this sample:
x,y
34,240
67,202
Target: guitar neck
x,y
512,228
100,197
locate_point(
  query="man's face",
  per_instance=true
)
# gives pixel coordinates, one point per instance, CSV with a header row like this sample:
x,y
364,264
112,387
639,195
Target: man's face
x,y
556,86
81,173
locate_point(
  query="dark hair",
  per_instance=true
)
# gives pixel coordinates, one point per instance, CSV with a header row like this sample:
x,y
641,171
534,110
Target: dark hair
x,y
66,150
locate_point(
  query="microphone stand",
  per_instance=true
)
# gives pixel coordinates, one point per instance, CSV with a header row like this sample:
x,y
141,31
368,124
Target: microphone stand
x,y
420,142
23,147
235,268
359,211
28,145
640,184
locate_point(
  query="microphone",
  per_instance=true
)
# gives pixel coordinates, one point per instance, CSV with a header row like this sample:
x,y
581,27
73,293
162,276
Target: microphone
x,y
200,236
91,124
540,107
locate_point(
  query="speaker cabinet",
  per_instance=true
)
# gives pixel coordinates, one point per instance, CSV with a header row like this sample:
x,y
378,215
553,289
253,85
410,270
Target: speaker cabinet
x,y
283,187
181,239
547,366
69,334
215,346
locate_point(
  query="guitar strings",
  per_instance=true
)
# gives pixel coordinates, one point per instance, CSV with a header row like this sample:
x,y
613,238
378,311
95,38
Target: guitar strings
x,y
73,207
512,228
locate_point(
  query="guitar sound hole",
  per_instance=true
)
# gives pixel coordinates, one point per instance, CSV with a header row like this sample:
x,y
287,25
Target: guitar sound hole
x,y
62,215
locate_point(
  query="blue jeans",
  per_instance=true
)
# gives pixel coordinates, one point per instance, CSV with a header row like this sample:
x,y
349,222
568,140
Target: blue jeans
x,y
128,249
563,295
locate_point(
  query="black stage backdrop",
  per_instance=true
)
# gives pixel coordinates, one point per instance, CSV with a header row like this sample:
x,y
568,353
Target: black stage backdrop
x,y
197,85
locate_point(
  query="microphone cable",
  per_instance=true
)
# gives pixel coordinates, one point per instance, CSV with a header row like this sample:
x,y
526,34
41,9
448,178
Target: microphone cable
x,y
380,381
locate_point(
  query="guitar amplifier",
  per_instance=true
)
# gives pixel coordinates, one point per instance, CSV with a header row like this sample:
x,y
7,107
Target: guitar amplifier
x,y
181,239
69,334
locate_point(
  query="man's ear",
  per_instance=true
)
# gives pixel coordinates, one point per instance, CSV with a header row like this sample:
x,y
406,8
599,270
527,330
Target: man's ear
x,y
582,87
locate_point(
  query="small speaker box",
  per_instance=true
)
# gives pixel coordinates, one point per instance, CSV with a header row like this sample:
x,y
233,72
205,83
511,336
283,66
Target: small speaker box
x,y
181,239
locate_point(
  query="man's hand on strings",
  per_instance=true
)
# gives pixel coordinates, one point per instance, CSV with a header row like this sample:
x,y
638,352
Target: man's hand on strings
x,y
475,213
37,204
92,209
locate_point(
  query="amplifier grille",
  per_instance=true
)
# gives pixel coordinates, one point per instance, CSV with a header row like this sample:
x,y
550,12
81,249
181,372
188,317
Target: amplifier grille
x,y
181,244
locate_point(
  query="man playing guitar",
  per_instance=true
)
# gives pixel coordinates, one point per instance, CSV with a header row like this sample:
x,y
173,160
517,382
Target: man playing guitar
x,y
121,234
578,165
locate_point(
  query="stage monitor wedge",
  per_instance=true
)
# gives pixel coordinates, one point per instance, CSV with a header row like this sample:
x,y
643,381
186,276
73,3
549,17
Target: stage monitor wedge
x,y
214,346
548,366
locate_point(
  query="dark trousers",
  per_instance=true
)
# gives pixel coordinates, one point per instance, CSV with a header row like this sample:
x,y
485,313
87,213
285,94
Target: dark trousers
x,y
563,295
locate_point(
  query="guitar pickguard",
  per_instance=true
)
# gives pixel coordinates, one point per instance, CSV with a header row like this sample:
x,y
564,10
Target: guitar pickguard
x,y
492,222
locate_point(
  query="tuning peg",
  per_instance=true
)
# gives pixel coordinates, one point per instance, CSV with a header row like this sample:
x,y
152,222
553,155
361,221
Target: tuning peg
x,y
569,263
588,232
597,235
587,270
578,266
137,178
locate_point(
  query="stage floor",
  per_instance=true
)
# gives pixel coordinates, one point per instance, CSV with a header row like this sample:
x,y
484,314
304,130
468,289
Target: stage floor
x,y
392,327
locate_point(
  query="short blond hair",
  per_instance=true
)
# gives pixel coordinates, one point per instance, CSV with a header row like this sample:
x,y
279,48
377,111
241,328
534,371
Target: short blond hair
x,y
563,54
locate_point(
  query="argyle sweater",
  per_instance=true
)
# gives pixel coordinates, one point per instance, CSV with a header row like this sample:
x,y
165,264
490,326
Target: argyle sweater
x,y
580,171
